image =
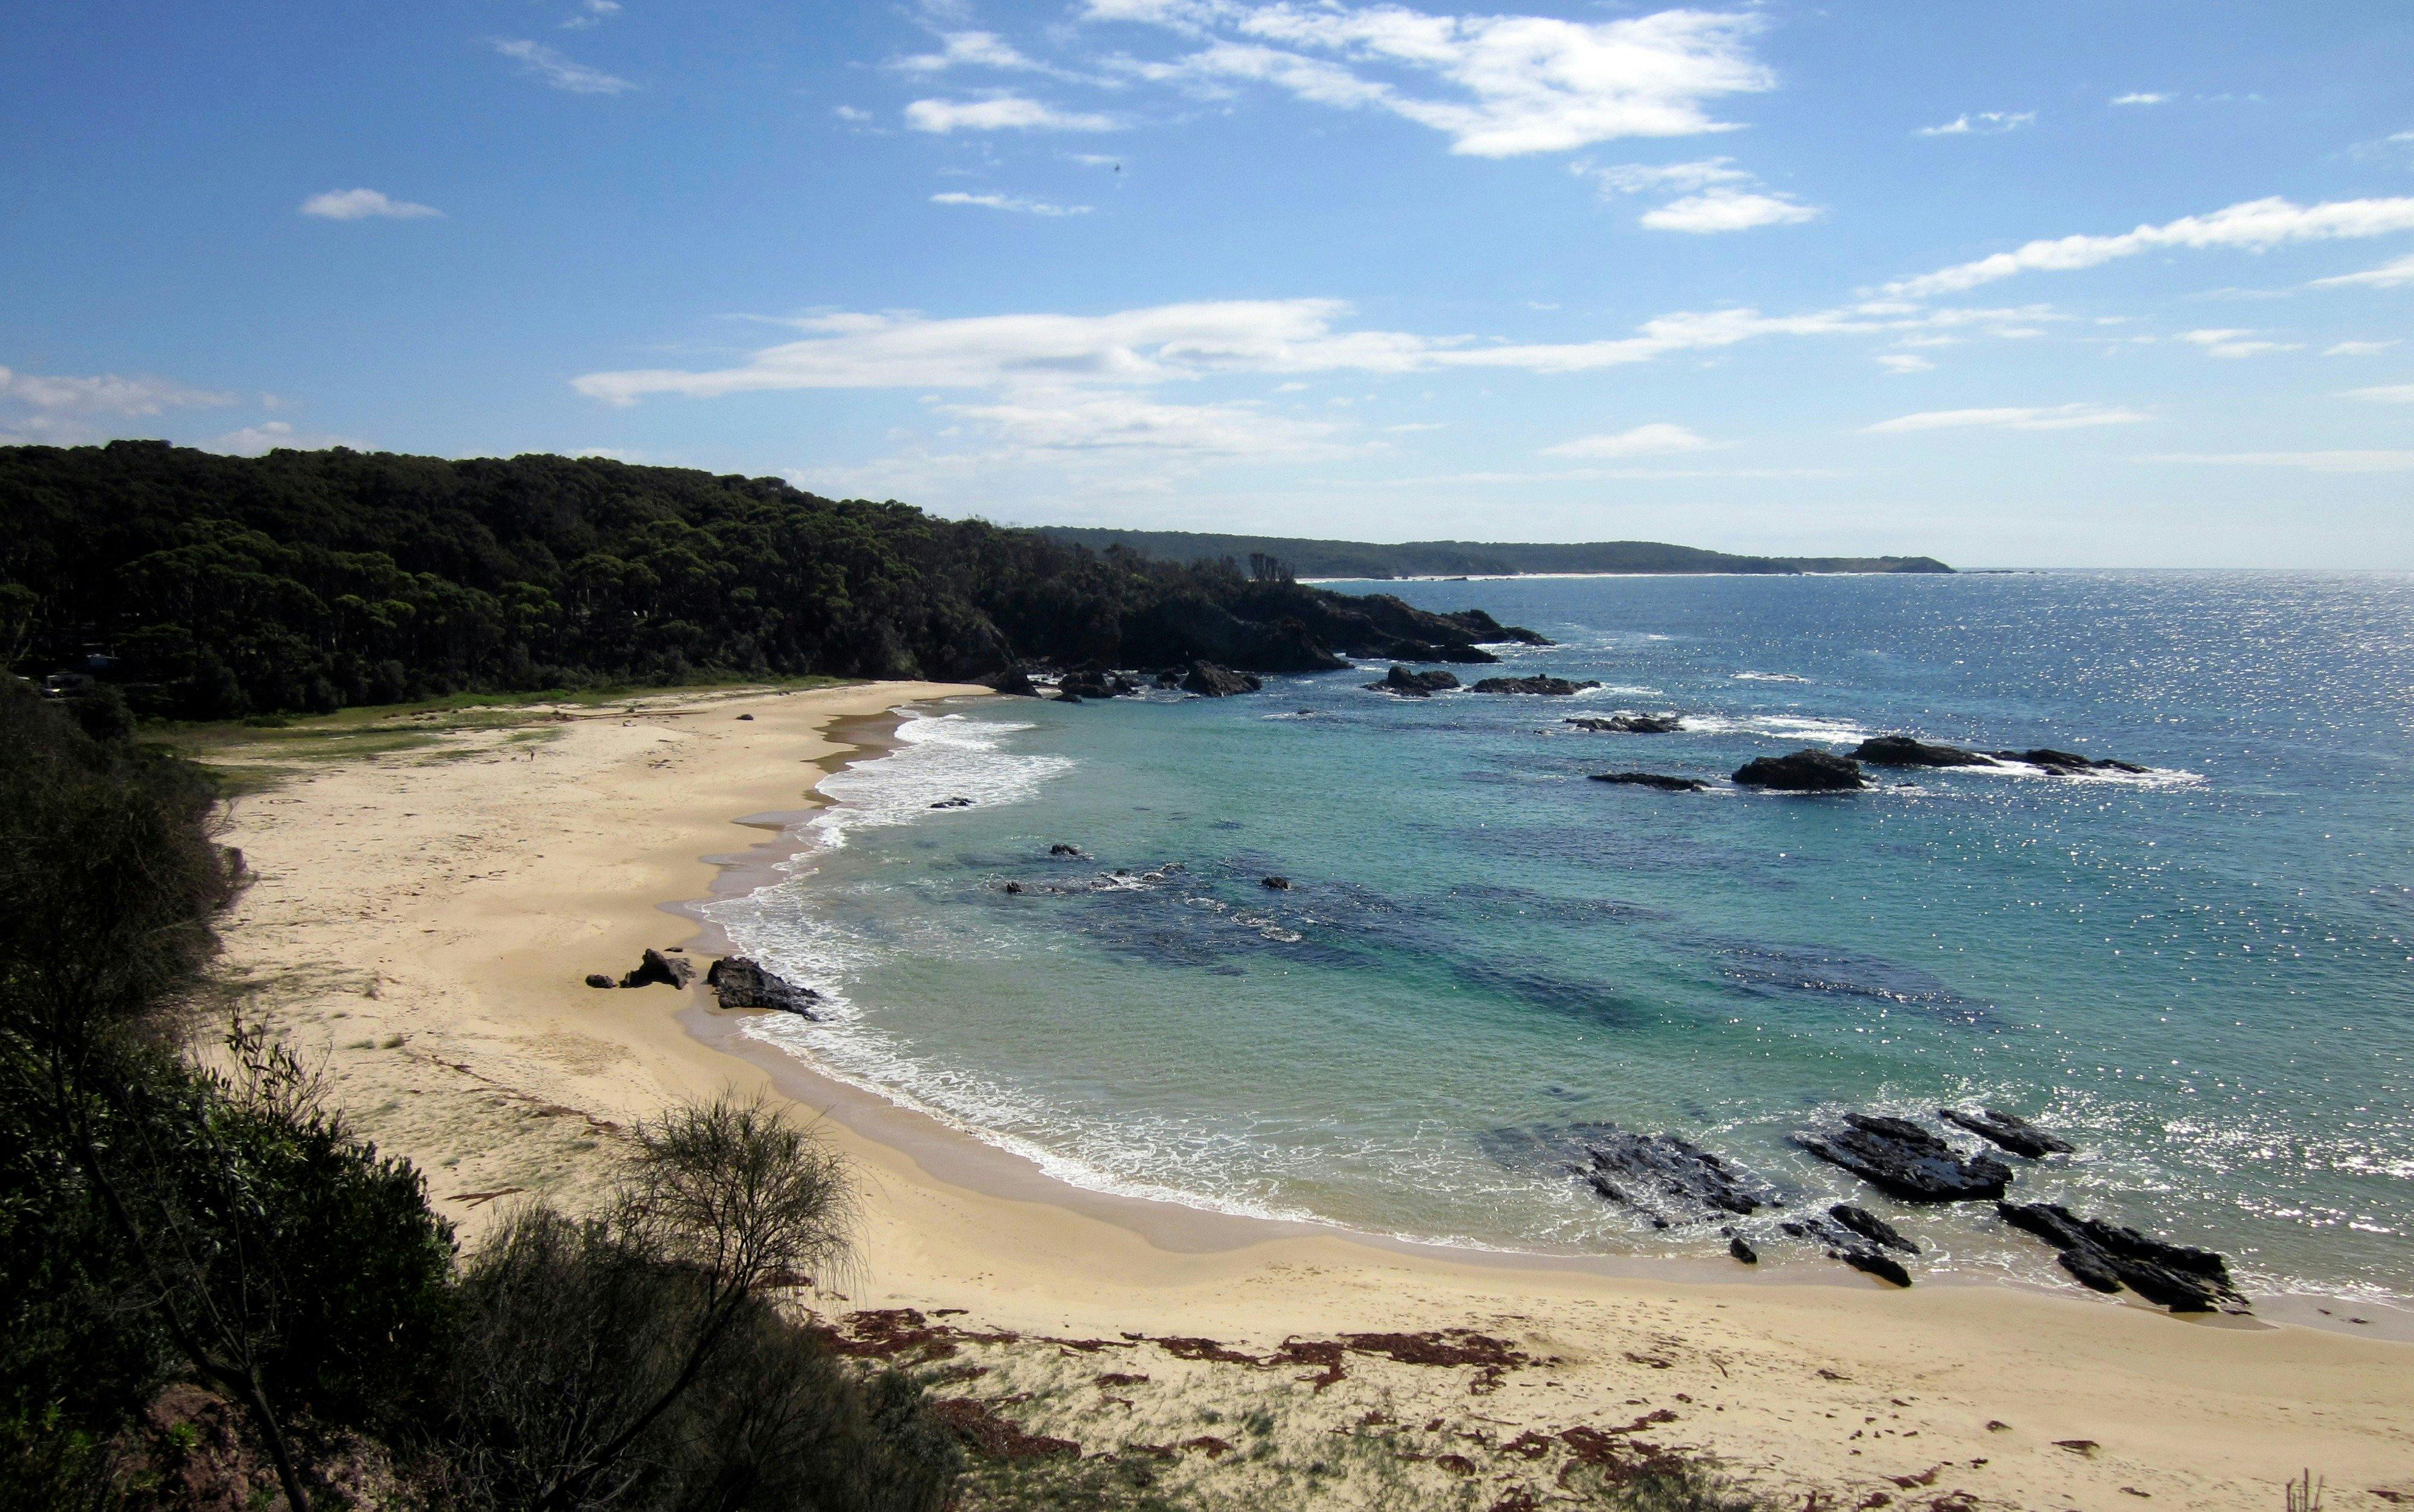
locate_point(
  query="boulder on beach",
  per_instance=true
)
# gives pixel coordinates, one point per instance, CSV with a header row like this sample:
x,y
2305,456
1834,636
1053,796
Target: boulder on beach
x,y
1850,1245
1207,680
1902,750
653,966
1742,1250
2107,1256
1666,1179
1547,687
1407,684
1804,771
1652,780
2064,762
1630,724
1013,682
1903,1160
596,979
742,984
1869,1226
2010,1130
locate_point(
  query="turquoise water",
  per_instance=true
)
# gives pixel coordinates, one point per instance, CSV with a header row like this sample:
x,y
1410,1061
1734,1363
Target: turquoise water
x,y
2204,975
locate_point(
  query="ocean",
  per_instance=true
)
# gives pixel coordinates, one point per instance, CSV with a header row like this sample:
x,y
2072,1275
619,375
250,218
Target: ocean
x,y
2203,975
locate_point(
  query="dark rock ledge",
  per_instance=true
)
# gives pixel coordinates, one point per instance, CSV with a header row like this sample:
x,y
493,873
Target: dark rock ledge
x,y
1903,1160
2007,1130
1804,771
2107,1256
742,984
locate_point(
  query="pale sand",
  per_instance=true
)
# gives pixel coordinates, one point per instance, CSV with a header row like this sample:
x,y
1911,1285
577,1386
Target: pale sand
x,y
454,897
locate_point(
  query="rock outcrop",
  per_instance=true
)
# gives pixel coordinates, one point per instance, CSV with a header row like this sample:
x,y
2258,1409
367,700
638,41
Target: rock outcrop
x,y
2010,1130
1207,680
1804,771
1407,684
1902,750
1013,682
2064,762
1274,884
1630,724
1652,780
1667,1179
2107,1256
953,803
1849,1245
1869,1226
741,983
1903,1160
653,966
1548,687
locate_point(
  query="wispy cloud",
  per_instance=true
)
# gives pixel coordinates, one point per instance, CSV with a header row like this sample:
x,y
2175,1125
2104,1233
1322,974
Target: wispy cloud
x,y
107,395
1642,442
1009,201
2387,394
2052,417
2257,225
976,50
543,62
1000,112
2236,342
2142,98
362,204
1904,362
1719,199
274,435
591,13
2358,349
1982,124
2305,461
1497,87
2394,274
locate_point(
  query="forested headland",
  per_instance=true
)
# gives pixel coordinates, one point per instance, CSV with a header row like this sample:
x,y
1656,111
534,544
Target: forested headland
x,y
206,587
1468,558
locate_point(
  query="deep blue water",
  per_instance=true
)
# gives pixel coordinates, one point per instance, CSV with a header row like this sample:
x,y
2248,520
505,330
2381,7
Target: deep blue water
x,y
2204,976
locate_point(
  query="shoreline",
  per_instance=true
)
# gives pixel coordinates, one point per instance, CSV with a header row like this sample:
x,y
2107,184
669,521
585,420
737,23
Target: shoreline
x,y
2208,1416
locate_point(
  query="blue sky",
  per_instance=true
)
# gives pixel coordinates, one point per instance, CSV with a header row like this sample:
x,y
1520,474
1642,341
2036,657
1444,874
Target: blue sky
x,y
2015,284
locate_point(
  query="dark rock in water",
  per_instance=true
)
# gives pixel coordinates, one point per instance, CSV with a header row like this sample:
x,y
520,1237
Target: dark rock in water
x,y
1060,847
742,984
656,966
1653,779
1013,681
1063,697
1666,1179
1905,1161
2107,1255
1741,1250
1902,750
1170,678
1409,684
1012,887
1805,771
953,803
1869,1226
1524,636
1278,884
1876,1263
746,716
1209,680
1631,724
2064,762
2010,1130
596,979
1550,687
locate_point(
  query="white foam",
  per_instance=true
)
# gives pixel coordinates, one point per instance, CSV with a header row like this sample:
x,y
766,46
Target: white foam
x,y
1805,727
1769,677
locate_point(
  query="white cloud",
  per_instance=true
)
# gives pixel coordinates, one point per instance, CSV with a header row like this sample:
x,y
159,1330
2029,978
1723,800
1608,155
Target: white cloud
x,y
1678,178
362,204
2257,225
2142,98
978,50
1034,426
1009,201
1000,112
2394,274
2055,418
2235,343
2388,393
1727,209
1513,84
1904,362
591,13
2357,348
1642,442
1984,123
108,395
1180,342
273,436
2308,461
850,112
560,72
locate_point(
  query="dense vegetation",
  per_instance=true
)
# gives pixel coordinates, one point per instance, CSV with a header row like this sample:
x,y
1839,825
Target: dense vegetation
x,y
208,586
178,1239
1468,558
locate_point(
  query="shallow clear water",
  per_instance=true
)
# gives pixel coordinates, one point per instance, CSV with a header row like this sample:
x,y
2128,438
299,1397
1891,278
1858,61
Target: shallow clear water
x,y
2204,976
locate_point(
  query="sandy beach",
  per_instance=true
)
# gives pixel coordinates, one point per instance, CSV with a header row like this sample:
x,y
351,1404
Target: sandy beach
x,y
424,919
